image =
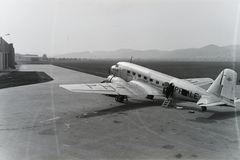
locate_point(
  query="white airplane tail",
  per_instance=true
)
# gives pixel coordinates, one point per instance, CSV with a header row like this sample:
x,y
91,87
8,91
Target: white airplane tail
x,y
224,85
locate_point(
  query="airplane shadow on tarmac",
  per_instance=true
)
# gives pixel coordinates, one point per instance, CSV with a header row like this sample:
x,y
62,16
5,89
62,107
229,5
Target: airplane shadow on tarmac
x,y
137,104
121,108
217,115
225,115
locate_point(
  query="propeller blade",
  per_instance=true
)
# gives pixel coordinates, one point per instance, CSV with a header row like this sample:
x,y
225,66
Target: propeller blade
x,y
131,59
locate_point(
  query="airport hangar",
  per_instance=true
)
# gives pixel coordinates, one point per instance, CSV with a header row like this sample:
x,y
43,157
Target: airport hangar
x,y
7,55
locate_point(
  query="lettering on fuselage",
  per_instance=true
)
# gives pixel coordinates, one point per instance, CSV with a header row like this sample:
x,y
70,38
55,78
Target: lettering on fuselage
x,y
186,93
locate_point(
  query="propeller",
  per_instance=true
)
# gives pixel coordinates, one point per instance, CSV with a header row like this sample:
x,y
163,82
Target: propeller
x,y
109,73
131,59
109,70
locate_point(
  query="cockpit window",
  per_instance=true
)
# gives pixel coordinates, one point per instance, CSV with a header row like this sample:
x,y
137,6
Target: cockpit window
x,y
117,65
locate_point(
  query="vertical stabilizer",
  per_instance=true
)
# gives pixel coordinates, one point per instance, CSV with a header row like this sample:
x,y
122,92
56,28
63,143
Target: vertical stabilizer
x,y
224,85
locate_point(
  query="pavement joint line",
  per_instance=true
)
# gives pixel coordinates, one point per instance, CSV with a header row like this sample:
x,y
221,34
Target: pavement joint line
x,y
51,119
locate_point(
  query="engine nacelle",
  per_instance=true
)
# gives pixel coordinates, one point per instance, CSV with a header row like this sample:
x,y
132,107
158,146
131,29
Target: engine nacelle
x,y
113,79
117,80
109,78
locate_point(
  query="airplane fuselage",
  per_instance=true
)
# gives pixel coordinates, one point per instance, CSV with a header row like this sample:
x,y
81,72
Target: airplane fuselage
x,y
182,89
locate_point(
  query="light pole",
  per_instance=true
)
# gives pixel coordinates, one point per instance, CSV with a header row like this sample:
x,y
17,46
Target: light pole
x,y
10,40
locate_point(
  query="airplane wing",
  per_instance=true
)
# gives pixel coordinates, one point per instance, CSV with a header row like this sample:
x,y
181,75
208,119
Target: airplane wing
x,y
133,88
200,81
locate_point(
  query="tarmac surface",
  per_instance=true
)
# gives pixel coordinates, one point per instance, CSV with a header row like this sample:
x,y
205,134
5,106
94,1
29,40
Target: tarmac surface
x,y
44,121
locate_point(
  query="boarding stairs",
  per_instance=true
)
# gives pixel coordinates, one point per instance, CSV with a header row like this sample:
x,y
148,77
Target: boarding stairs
x,y
166,102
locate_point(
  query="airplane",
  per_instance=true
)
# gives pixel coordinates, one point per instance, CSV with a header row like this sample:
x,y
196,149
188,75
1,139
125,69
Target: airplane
x,y
131,80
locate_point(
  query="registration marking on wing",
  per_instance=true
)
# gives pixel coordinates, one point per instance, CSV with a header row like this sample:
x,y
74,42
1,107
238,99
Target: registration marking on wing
x,y
103,86
95,87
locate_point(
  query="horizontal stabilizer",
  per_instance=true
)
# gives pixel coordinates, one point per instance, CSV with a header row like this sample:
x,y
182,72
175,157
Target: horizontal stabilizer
x,y
211,101
200,81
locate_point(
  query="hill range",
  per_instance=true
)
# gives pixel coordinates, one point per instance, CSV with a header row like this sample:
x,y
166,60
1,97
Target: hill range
x,y
207,53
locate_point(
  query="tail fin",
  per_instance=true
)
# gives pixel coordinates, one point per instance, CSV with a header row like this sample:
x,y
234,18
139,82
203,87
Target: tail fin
x,y
224,85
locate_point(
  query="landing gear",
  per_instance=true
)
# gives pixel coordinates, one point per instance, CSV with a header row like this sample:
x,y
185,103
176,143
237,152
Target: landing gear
x,y
204,108
150,96
120,98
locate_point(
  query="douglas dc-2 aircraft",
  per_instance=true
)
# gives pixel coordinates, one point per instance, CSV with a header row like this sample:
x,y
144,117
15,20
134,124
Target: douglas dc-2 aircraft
x,y
129,80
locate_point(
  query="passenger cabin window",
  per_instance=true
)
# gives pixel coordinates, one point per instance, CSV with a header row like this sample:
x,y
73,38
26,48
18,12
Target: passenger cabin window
x,y
145,77
134,73
139,75
128,71
157,82
151,80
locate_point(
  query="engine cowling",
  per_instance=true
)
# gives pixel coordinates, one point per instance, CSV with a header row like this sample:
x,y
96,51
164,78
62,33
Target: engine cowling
x,y
117,80
113,79
109,78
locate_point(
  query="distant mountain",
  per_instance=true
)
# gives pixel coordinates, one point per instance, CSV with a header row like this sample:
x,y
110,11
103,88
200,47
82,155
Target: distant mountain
x,y
85,54
209,53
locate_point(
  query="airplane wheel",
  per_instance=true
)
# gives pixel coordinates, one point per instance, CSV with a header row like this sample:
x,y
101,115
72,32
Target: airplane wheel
x,y
119,98
204,108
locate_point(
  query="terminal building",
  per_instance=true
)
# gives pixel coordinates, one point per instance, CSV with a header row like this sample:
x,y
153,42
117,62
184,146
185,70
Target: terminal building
x,y
7,55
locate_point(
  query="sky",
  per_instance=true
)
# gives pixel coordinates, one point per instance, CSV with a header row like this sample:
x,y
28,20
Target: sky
x,y
56,27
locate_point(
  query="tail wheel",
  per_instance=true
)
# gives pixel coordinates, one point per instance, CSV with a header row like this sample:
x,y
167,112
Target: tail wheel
x,y
204,108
